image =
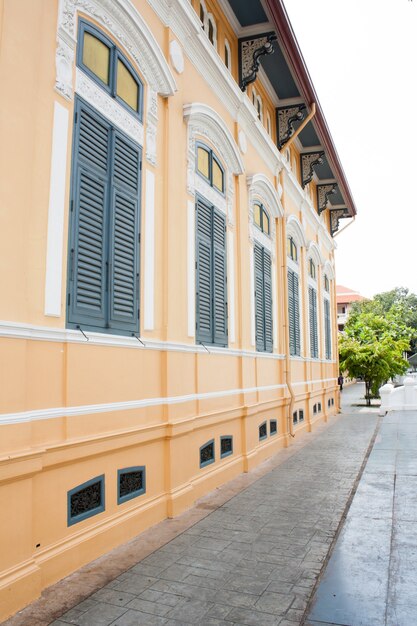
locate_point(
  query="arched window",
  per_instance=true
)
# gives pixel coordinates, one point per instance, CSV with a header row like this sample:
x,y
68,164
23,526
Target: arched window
x,y
105,64
212,30
327,319
208,166
227,55
268,123
292,250
259,108
203,14
312,269
103,263
261,219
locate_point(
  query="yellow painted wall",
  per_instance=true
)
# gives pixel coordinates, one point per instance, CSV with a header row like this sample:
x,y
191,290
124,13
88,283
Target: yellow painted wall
x,y
58,423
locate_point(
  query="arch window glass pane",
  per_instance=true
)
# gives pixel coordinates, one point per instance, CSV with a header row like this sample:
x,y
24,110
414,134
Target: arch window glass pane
x,y
217,176
292,249
127,87
203,159
211,31
265,223
312,268
226,57
96,56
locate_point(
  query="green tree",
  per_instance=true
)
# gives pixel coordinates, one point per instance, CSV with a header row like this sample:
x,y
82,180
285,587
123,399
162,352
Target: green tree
x,y
399,300
373,344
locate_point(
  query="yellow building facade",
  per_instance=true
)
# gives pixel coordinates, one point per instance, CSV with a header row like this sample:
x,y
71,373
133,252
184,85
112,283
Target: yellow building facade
x,y
168,310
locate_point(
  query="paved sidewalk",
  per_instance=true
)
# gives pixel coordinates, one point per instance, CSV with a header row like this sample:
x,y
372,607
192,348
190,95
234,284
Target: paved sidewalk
x,y
371,578
254,560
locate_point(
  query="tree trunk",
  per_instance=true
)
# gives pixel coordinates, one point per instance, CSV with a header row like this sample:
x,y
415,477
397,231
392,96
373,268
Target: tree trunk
x,y
368,392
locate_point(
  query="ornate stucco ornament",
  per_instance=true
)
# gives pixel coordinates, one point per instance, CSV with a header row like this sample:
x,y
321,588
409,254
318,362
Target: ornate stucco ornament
x,y
308,161
251,51
323,193
335,216
287,116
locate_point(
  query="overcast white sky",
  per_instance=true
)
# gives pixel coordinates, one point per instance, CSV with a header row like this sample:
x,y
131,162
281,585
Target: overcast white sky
x,y
362,57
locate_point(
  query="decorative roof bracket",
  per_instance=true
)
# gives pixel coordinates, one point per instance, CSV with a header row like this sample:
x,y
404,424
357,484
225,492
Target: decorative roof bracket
x,y
308,161
286,117
251,51
335,216
323,193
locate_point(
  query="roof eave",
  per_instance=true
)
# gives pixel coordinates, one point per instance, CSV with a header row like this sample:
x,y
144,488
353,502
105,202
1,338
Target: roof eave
x,y
289,44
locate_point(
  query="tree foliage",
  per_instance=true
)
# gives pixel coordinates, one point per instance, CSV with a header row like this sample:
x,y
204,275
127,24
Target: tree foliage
x,y
376,336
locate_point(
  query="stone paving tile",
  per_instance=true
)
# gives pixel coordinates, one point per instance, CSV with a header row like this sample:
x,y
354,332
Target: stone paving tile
x,y
137,618
100,615
190,611
252,618
255,560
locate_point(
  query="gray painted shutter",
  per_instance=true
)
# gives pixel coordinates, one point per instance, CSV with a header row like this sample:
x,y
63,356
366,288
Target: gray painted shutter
x,y
204,292
87,300
291,312
297,316
268,300
327,329
219,279
312,299
259,299
294,313
263,299
124,236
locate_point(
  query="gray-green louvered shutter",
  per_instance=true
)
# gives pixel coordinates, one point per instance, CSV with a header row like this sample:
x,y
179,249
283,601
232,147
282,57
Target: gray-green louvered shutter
x,y
124,237
291,312
259,299
87,298
268,300
296,316
204,291
219,279
327,329
312,299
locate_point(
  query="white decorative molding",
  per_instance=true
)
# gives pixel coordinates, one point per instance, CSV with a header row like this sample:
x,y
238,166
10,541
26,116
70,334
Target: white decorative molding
x,y
204,120
209,192
14,330
329,270
64,60
274,306
243,142
108,106
259,185
110,407
149,256
53,277
176,56
296,230
231,285
124,22
252,295
314,252
151,126
191,268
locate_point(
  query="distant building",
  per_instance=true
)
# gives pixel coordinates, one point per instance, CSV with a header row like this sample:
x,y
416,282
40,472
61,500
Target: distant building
x,y
345,297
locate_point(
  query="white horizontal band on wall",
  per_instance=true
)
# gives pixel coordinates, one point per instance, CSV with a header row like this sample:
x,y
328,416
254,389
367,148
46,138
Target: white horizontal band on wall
x,y
108,407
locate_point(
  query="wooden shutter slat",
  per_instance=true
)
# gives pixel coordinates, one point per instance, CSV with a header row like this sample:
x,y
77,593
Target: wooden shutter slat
x,y
268,301
259,299
204,291
219,279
